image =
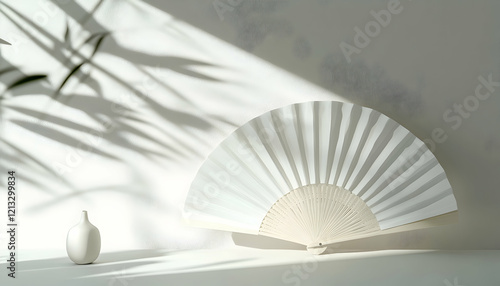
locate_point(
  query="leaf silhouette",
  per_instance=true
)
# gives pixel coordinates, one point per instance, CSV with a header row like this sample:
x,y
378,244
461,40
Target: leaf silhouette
x,y
7,70
60,137
4,42
82,128
70,74
178,64
32,158
88,40
98,43
67,34
26,79
91,82
56,53
94,105
54,119
93,36
77,68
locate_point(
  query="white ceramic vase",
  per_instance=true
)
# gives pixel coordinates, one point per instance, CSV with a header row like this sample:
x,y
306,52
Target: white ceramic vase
x,y
83,242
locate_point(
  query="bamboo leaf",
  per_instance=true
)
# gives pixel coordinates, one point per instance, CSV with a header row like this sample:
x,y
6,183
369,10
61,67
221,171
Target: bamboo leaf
x,y
4,42
93,36
26,79
71,73
66,33
98,43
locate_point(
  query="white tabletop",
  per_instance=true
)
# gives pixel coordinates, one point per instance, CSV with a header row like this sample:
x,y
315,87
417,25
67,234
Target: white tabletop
x,y
248,266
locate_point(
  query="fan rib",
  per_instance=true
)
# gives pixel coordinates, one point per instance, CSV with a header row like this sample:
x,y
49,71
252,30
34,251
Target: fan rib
x,y
304,211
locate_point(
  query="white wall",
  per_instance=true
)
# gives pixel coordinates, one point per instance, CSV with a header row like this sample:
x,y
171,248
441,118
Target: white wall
x,y
203,77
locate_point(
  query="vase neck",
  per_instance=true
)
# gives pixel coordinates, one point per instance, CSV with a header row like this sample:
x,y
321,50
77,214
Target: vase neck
x,y
84,217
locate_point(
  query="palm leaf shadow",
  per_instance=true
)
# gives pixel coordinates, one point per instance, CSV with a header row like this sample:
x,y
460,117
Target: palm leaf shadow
x,y
26,84
8,69
99,107
31,158
55,52
25,80
55,120
177,64
60,137
4,42
19,159
80,15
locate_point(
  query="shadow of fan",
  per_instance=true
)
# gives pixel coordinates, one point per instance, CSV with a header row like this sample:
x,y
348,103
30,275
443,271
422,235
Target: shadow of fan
x,y
263,242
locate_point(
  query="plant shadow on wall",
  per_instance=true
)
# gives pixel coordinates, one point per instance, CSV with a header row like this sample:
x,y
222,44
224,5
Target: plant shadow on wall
x,y
114,122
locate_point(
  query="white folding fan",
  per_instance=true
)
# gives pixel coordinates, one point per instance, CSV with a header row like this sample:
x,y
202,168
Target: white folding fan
x,y
316,173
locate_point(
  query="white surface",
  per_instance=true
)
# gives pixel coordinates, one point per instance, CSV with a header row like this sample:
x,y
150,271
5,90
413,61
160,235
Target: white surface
x,y
245,266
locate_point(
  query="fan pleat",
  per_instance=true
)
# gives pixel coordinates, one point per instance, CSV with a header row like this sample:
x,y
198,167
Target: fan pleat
x,y
404,190
258,180
316,142
444,205
300,139
382,137
415,203
336,119
284,144
353,113
363,130
266,142
377,181
264,160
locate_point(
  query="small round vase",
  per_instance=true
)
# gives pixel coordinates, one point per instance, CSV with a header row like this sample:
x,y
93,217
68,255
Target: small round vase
x,y
83,242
